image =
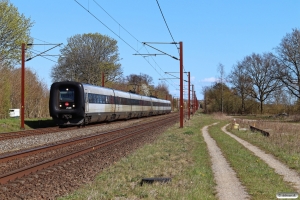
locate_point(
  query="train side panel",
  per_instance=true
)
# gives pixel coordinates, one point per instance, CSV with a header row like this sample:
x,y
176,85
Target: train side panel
x,y
99,102
123,105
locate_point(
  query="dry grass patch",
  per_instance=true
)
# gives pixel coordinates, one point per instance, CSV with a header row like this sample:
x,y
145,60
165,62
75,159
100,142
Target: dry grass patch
x,y
283,141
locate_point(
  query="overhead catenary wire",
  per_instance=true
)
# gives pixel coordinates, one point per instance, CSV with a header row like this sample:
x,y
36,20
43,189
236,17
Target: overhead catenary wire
x,y
104,24
116,33
167,24
116,21
37,54
168,29
128,33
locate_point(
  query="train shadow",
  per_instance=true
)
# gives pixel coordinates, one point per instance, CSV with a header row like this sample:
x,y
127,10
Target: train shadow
x,y
43,123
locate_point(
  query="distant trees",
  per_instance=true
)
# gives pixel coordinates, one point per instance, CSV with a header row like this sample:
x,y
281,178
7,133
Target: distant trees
x,y
142,83
252,78
14,30
162,90
85,57
213,99
139,79
36,93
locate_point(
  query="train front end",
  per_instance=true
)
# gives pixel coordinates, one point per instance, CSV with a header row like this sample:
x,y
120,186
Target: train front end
x,y
66,103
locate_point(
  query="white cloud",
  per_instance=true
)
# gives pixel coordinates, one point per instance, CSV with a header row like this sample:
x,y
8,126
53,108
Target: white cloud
x,y
192,78
209,80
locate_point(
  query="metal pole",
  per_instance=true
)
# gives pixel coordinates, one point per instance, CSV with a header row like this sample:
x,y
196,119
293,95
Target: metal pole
x,y
181,85
23,86
197,103
189,103
193,102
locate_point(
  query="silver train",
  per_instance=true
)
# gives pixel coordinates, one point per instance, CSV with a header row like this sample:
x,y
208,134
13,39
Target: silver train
x,y
74,103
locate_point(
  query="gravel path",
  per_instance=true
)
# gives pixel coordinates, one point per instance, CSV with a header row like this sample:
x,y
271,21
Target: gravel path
x,y
288,174
228,185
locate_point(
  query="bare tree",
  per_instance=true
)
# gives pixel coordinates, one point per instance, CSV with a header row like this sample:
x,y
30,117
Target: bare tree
x,y
241,82
221,79
289,57
261,70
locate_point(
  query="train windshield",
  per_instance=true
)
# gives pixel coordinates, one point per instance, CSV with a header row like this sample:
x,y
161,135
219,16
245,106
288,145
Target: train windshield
x,y
66,94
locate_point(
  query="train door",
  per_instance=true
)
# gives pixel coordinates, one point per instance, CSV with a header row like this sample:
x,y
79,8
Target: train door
x,y
112,103
117,101
86,100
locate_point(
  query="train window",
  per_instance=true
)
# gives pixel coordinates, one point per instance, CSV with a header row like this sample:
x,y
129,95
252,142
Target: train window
x,y
66,94
96,98
102,99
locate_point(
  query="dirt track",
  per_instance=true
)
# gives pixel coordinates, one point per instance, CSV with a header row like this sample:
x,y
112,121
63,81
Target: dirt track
x,y
228,185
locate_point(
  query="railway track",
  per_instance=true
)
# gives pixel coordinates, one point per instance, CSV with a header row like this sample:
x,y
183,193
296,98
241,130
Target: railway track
x,y
22,163
31,132
40,131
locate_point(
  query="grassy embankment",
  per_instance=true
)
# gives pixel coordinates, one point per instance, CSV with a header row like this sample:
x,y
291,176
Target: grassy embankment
x,y
260,181
178,153
14,124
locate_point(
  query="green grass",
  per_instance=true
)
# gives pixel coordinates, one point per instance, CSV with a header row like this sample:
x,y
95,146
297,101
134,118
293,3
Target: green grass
x,y
178,153
14,124
260,180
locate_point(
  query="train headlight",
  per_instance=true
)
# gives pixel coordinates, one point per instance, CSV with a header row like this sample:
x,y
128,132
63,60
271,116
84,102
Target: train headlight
x,y
60,105
73,105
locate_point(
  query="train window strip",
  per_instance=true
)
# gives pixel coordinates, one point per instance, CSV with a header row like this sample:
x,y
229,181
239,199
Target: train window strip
x,y
105,99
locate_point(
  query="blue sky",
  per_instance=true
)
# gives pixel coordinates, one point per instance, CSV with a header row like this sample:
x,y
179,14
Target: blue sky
x,y
212,32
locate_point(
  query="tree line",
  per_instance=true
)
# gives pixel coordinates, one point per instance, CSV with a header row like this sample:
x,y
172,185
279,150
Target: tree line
x,y
15,30
260,83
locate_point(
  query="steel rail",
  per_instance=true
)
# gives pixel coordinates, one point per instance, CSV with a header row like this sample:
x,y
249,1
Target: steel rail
x,y
40,131
5,178
41,149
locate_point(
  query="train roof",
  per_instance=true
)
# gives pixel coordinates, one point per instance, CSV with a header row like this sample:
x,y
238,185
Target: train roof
x,y
86,85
